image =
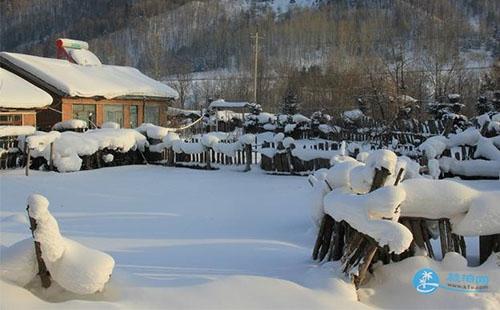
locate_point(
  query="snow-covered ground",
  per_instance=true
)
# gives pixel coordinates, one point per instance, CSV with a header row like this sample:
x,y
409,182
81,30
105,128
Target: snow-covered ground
x,y
182,238
186,238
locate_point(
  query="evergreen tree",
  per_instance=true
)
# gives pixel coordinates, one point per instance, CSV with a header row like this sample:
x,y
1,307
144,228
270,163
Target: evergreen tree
x,y
290,105
483,106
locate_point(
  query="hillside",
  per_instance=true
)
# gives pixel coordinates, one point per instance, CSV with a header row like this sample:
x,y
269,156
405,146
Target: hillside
x,y
165,38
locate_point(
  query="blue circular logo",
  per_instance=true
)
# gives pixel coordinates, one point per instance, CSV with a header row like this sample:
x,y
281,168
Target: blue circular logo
x,y
426,281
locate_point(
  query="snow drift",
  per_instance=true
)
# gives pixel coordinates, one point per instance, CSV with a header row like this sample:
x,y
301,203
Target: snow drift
x,y
74,267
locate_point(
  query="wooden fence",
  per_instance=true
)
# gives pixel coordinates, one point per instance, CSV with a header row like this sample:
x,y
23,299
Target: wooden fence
x,y
207,159
10,155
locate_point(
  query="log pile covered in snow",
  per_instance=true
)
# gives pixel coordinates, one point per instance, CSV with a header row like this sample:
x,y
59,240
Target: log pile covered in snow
x,y
72,151
379,208
52,259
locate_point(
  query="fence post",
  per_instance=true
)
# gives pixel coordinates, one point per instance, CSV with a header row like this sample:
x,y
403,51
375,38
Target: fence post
x,y
248,157
51,159
207,158
42,268
28,157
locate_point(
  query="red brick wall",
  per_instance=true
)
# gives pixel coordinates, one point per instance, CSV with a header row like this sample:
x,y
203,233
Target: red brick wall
x,y
67,109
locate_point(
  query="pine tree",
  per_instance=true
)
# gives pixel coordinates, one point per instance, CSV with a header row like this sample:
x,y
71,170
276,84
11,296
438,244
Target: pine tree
x,y
483,106
290,103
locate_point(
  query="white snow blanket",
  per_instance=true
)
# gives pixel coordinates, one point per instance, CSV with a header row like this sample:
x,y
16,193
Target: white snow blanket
x,y
17,93
90,81
73,266
471,212
153,131
6,131
70,124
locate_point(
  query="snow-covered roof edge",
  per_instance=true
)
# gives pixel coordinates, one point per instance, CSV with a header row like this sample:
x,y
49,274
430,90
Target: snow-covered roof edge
x,y
44,79
221,103
17,93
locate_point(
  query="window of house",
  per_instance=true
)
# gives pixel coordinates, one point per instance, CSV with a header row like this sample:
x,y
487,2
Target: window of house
x,y
85,112
11,119
152,114
113,113
133,116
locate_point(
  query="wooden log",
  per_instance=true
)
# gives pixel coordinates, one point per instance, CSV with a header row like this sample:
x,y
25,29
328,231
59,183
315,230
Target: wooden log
x,y
28,159
463,248
338,241
427,238
207,159
442,237
449,239
456,243
326,237
487,245
416,230
51,158
365,263
379,178
43,272
317,244
248,157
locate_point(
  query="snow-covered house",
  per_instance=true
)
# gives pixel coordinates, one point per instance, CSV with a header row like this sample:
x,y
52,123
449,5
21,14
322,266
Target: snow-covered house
x,y
20,100
83,88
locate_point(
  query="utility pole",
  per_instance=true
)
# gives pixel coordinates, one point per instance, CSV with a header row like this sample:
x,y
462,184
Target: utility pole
x,y
256,64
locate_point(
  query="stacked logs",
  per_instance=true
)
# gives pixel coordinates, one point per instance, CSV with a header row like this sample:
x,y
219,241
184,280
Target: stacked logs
x,y
43,272
356,251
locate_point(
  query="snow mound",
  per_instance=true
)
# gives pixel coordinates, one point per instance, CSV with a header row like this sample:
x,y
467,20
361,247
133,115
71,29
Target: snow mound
x,y
6,131
70,124
74,267
111,125
373,214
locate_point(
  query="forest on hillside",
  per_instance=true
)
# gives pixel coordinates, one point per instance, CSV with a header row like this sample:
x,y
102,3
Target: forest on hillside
x,y
330,55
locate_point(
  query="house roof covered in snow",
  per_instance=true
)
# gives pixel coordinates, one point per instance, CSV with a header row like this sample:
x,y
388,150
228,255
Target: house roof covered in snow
x,y
16,93
93,80
221,103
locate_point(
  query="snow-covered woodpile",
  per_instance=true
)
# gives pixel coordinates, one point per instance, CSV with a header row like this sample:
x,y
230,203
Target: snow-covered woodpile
x,y
11,156
380,208
72,151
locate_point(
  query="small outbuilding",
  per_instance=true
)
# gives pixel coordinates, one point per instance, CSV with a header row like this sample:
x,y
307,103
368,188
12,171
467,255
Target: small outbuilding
x,y
84,88
20,100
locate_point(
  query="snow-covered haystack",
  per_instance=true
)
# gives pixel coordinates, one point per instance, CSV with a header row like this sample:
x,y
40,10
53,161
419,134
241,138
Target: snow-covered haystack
x,y
72,266
70,146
